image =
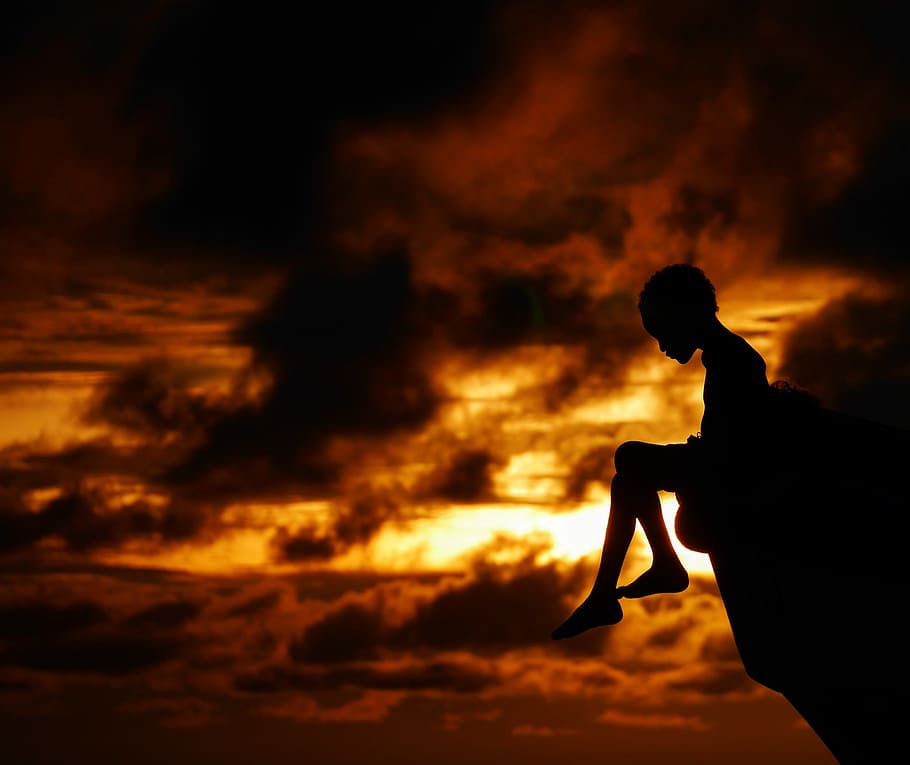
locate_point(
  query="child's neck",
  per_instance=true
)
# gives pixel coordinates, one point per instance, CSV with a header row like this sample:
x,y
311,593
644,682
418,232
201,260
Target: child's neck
x,y
712,334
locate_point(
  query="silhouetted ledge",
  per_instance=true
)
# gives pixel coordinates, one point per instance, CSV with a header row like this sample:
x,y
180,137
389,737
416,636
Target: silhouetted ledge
x,y
812,567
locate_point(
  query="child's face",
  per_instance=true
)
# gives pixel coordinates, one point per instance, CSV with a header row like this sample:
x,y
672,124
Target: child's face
x,y
674,331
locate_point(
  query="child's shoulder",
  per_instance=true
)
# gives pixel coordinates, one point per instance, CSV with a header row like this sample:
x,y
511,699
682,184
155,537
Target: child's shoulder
x,y
734,351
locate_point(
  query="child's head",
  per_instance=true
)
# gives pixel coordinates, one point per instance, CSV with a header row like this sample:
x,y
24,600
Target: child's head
x,y
676,303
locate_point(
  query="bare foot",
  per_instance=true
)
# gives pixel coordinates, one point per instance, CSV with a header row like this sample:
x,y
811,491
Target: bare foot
x,y
657,579
595,611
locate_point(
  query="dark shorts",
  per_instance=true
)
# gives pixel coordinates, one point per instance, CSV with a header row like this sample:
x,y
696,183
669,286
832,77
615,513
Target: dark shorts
x,y
663,467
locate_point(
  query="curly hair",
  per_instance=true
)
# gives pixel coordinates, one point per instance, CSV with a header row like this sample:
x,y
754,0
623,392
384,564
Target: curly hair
x,y
679,283
788,394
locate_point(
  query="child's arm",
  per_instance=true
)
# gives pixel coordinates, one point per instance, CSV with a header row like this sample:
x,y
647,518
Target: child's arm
x,y
736,405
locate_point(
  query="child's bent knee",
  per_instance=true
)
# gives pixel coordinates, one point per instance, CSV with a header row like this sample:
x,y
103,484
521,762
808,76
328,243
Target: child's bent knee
x,y
628,457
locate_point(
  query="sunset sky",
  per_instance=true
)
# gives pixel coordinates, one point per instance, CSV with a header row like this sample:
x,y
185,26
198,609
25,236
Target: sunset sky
x,y
318,332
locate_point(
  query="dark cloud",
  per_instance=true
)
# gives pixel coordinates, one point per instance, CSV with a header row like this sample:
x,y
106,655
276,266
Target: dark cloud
x,y
101,654
595,465
497,608
716,680
547,217
797,82
466,478
515,308
165,615
614,337
667,637
256,605
344,345
304,545
854,355
351,633
695,209
17,527
26,364
248,133
864,226
492,612
352,523
720,647
151,398
505,310
83,520
30,467
455,677
28,620
362,518
78,637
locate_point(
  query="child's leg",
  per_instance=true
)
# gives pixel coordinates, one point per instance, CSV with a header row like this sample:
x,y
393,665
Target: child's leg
x,y
629,501
601,607
667,573
652,467
633,496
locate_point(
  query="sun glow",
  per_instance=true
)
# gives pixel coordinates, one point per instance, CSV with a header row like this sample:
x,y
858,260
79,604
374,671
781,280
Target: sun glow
x,y
442,541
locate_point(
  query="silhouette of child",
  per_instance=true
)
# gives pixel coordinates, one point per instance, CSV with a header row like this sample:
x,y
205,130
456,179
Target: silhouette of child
x,y
678,308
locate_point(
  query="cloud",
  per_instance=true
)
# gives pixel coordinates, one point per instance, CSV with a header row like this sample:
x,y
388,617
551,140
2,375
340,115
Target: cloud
x,y
463,677
306,545
595,465
655,720
491,613
510,307
497,608
355,524
151,398
534,185
543,730
351,633
165,615
305,69
714,679
467,478
862,226
564,196
342,346
260,604
176,712
101,654
36,466
854,354
549,216
695,209
82,637
84,521
28,620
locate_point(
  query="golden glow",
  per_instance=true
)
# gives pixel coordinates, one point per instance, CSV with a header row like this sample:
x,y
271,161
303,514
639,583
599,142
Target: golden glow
x,y
234,552
441,542
470,379
632,404
531,476
766,307
46,410
290,515
657,400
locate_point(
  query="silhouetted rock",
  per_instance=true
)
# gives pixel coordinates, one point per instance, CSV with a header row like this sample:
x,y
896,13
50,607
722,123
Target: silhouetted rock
x,y
811,566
